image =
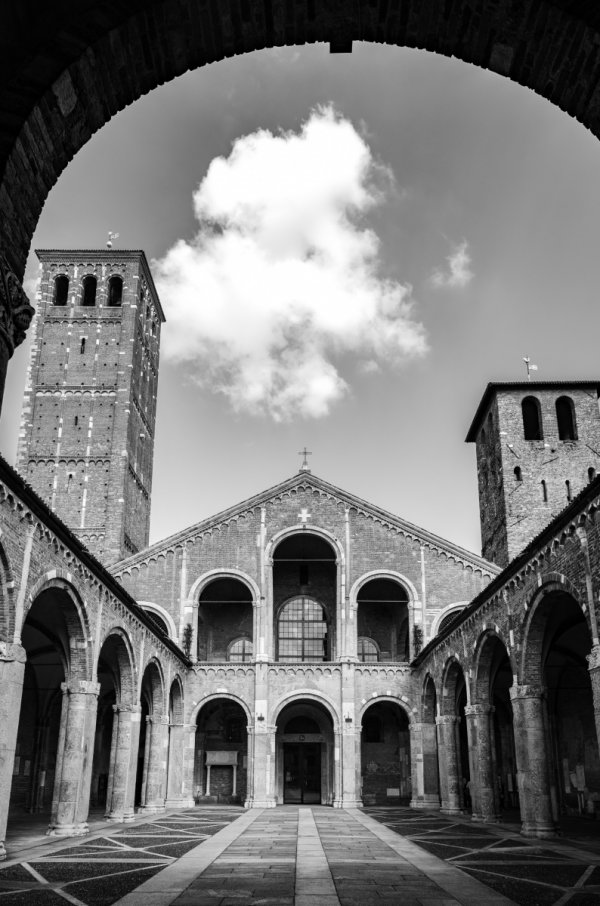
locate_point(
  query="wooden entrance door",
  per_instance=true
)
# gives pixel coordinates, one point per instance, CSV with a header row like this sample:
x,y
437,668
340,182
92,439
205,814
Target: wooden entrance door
x,y
302,773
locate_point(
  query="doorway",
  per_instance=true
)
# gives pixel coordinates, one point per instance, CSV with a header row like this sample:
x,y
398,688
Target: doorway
x,y
302,773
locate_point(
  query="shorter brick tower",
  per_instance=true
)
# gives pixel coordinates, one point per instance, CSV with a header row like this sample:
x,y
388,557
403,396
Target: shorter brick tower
x,y
86,443
538,444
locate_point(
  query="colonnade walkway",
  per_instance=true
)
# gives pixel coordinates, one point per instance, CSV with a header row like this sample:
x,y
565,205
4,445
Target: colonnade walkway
x,y
302,856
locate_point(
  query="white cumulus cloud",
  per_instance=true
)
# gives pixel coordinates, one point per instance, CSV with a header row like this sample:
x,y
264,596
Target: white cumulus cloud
x,y
457,273
281,285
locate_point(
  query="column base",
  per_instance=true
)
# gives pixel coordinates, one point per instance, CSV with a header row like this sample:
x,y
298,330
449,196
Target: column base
x,y
429,801
347,803
3,854
68,830
176,803
541,833
488,819
120,817
261,803
445,810
151,809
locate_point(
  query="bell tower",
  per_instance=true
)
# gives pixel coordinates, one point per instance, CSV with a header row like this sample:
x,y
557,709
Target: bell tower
x,y
86,443
537,446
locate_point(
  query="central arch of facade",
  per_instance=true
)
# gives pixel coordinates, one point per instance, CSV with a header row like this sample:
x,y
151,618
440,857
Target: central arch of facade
x,y
68,70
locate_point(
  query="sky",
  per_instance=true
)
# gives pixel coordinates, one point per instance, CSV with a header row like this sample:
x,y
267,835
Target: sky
x,y
347,249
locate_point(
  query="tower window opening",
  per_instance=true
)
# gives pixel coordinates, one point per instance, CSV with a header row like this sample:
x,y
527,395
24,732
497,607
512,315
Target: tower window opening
x,y
61,290
89,291
518,474
82,346
76,420
565,417
115,292
591,473
532,418
568,487
544,491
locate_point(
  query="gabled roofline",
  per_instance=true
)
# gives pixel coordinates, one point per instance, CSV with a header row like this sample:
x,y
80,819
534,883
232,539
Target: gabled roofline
x,y
494,386
306,477
108,254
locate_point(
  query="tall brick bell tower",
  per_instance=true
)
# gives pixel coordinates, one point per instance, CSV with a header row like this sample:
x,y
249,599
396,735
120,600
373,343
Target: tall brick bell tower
x,y
538,445
86,443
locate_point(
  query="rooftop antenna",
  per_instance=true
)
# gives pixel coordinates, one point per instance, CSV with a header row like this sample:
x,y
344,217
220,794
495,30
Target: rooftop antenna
x,y
305,454
530,367
111,236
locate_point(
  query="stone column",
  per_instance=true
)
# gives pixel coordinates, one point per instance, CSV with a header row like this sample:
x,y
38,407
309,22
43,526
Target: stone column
x,y
71,799
12,670
593,660
264,793
532,762
123,764
175,767
448,757
346,791
424,766
157,740
15,316
483,787
189,754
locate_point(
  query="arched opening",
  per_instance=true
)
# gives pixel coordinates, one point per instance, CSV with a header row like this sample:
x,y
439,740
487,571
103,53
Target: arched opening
x,y
115,677
115,291
448,618
54,643
224,616
304,773
61,290
455,773
175,763
88,293
221,756
150,775
565,418
385,755
495,766
532,418
558,643
383,617
304,598
429,794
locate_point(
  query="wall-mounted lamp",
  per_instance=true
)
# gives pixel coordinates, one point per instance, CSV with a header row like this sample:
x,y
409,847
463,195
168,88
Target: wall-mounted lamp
x,y
348,719
260,716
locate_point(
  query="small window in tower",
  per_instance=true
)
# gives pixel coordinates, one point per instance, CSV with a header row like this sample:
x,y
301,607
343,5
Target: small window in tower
x,y
89,291
115,291
591,473
544,491
61,290
532,418
76,420
154,328
568,488
147,311
565,417
518,473
82,346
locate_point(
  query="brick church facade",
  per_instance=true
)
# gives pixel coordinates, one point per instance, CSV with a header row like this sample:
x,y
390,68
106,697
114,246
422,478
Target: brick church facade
x,y
304,646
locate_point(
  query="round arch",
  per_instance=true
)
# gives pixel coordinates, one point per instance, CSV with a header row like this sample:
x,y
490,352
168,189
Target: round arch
x,y
163,614
300,695
529,668
316,530
214,696
77,619
7,610
64,85
403,703
454,608
158,692
452,672
413,596
488,639
126,662
212,574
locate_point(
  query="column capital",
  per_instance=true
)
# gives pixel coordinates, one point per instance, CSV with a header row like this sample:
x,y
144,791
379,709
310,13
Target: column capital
x,y
476,708
80,687
446,719
593,658
526,691
12,652
15,311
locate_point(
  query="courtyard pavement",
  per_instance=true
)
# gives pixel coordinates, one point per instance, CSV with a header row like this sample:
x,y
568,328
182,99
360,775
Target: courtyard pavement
x,y
303,856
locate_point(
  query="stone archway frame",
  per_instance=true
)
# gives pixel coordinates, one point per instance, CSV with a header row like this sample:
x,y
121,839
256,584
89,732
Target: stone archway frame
x,y
488,633
340,582
214,696
163,613
548,584
190,608
401,700
449,608
7,603
451,661
414,604
80,641
153,661
246,708
120,631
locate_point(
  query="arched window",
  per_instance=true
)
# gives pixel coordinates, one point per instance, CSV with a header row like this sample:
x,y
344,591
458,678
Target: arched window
x,y
591,473
367,650
240,651
115,291
544,491
532,418
89,291
568,489
518,474
565,417
61,290
302,631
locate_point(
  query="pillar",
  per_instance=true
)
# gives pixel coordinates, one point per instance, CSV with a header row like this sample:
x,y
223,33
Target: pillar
x,y
532,761
481,757
123,764
448,759
188,765
175,766
593,660
15,316
346,742
12,670
424,766
70,802
263,762
155,764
